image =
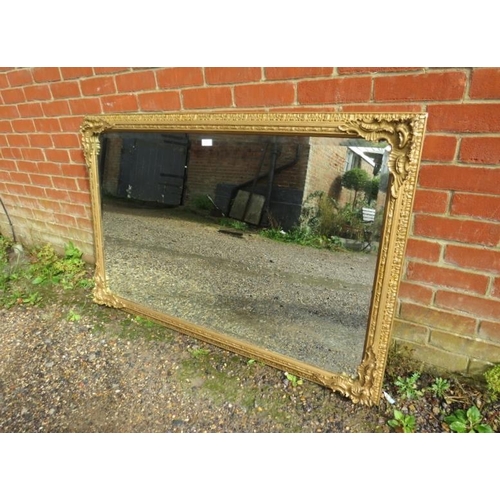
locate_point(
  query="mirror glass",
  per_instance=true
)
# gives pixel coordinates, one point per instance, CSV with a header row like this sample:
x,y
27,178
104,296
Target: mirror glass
x,y
195,226
275,244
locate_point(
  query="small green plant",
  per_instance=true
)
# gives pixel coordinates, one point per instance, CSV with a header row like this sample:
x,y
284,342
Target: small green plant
x,y
440,386
293,379
198,352
492,377
202,203
32,299
234,224
404,422
143,321
407,386
467,421
73,316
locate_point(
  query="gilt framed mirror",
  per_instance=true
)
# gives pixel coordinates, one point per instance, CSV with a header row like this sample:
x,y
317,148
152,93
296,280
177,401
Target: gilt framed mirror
x,y
277,236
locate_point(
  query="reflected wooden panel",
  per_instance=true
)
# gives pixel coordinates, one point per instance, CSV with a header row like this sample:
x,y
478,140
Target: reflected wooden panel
x,y
323,315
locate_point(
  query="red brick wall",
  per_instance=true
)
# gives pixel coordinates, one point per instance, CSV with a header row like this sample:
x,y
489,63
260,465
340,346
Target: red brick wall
x,y
449,302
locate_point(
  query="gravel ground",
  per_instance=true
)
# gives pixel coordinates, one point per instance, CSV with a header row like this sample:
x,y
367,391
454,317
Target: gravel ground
x,y
68,365
303,302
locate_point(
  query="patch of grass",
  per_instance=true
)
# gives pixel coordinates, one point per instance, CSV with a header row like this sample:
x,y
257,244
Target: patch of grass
x,y
202,203
304,237
234,224
28,276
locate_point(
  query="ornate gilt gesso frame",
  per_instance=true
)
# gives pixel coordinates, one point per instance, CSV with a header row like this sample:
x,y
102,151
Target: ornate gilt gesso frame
x,y
403,131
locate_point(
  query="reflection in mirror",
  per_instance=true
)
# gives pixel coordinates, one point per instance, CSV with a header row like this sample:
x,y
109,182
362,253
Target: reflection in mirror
x,y
278,236
268,239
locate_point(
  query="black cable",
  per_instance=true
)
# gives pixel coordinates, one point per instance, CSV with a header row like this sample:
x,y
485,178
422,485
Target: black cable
x,y
10,222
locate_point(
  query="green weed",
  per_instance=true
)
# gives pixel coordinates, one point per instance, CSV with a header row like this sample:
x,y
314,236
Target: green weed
x,y
467,421
407,386
440,386
293,379
404,422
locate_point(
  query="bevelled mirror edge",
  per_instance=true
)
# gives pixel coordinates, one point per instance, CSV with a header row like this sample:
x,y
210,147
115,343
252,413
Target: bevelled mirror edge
x,y
404,132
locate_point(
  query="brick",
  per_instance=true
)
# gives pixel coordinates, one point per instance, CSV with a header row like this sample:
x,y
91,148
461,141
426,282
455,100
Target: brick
x,y
464,117
473,258
57,194
12,153
138,80
485,83
473,348
207,98
408,331
485,150
40,140
293,73
479,307
490,331
415,293
495,292
49,168
106,71
33,154
482,180
265,94
74,170
380,108
16,141
37,93
19,77
451,362
13,96
467,231
4,82
46,74
41,180
30,109
23,125
431,201
20,178
56,108
76,156
156,101
27,166
65,141
5,127
57,155
336,90
64,183
435,318
70,123
439,148
83,185
8,112
429,251
372,70
449,85
447,277
119,103
73,73
98,85
61,90
179,77
88,106
47,125
476,205
65,220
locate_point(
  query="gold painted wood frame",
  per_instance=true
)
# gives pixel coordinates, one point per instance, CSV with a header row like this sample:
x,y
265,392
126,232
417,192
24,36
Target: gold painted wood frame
x,y
404,132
